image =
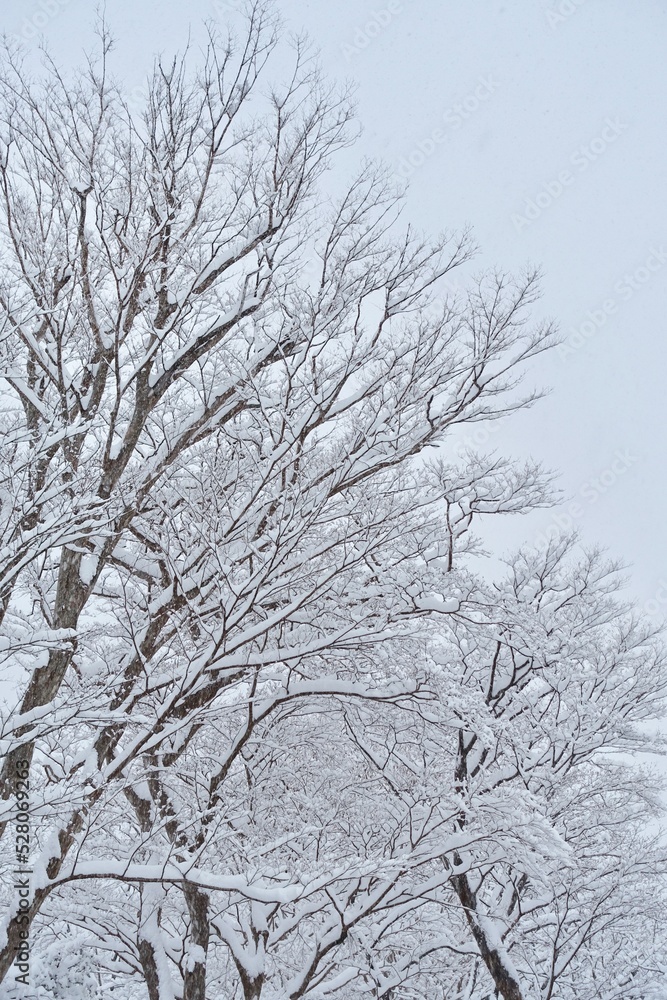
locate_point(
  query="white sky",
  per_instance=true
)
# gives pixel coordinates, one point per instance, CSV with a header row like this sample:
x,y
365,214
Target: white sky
x,y
537,81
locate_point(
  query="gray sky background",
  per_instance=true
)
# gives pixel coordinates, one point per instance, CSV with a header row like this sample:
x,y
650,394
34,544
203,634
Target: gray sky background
x,y
488,106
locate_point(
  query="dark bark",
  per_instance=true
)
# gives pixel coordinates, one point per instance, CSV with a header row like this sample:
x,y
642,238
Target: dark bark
x,y
194,978
45,682
506,984
149,967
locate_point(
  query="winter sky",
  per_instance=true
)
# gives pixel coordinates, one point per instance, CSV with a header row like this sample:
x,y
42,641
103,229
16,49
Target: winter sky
x,y
541,124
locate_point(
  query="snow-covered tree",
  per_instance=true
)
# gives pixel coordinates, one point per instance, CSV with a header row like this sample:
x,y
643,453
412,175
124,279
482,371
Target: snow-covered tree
x,y
284,739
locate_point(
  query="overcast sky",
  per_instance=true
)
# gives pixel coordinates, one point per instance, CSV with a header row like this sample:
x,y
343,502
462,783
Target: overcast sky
x,y
542,125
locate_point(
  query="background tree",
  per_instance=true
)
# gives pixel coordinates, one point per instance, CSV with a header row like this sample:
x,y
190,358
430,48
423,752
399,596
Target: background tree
x,y
283,741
